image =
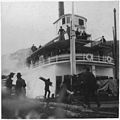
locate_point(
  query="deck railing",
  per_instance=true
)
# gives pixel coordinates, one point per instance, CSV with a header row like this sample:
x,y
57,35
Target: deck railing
x,y
90,58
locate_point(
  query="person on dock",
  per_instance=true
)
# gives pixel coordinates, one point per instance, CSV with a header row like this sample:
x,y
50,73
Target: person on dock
x,y
61,33
20,86
9,83
90,87
47,85
65,95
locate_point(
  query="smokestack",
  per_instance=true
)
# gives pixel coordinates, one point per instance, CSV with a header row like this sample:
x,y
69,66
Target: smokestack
x,y
61,9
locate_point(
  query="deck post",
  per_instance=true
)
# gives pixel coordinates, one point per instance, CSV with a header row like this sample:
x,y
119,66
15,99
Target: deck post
x,y
115,45
72,46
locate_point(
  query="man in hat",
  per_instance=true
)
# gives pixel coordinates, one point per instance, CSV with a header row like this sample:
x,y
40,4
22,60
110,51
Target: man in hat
x,y
47,84
90,87
9,83
20,86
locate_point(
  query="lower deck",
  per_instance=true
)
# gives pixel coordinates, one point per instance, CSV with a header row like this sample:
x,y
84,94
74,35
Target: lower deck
x,y
57,74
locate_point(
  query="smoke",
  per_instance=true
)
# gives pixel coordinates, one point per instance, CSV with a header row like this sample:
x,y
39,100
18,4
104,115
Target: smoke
x,y
15,61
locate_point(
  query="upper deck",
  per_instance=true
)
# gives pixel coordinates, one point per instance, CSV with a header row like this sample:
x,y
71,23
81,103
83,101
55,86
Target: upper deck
x,y
87,52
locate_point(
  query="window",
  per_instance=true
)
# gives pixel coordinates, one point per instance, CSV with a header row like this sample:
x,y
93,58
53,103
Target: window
x,y
81,22
63,21
68,19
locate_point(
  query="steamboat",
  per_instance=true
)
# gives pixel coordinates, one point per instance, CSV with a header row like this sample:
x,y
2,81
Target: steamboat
x,y
68,55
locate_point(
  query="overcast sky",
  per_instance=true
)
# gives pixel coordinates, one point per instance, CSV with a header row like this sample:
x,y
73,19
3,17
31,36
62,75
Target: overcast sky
x,y
27,23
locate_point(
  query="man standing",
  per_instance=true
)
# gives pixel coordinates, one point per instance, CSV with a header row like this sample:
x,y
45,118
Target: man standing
x,y
65,95
20,86
77,33
90,87
9,83
68,31
61,33
47,84
103,39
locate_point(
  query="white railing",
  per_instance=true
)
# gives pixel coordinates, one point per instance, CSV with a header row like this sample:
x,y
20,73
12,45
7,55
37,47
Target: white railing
x,y
79,58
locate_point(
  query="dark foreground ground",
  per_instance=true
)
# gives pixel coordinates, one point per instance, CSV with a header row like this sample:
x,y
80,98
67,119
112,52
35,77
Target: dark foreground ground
x,y
13,108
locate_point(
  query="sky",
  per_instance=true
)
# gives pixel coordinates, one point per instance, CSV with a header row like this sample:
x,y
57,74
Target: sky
x,y
27,23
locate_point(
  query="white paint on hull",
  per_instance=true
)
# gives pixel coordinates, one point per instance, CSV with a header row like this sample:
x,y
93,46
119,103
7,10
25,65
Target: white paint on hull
x,y
35,86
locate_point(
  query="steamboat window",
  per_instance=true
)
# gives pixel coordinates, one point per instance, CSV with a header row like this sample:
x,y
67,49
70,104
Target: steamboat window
x,y
63,21
81,22
68,19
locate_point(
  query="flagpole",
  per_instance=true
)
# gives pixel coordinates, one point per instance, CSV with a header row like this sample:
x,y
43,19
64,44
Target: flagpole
x,y
115,44
72,46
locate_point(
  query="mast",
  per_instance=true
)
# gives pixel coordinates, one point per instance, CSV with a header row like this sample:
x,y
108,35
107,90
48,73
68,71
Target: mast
x,y
115,44
72,46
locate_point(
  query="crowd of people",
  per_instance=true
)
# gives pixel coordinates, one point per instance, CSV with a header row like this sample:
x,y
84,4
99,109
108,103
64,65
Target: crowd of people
x,y
87,80
79,34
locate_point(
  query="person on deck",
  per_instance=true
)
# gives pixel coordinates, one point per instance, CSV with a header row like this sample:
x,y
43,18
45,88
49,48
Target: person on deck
x,y
40,46
103,39
33,48
90,88
9,83
61,33
20,86
47,85
68,31
84,35
77,33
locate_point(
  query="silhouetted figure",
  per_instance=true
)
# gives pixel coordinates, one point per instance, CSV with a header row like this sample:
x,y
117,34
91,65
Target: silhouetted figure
x,y
9,83
103,39
84,35
33,48
61,33
68,31
20,86
65,95
77,33
47,85
40,46
90,87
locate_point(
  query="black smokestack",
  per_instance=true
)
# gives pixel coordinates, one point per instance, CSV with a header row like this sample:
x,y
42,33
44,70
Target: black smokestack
x,y
61,9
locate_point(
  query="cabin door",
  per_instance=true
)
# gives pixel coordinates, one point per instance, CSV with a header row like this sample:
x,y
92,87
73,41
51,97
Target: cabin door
x,y
58,83
67,81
